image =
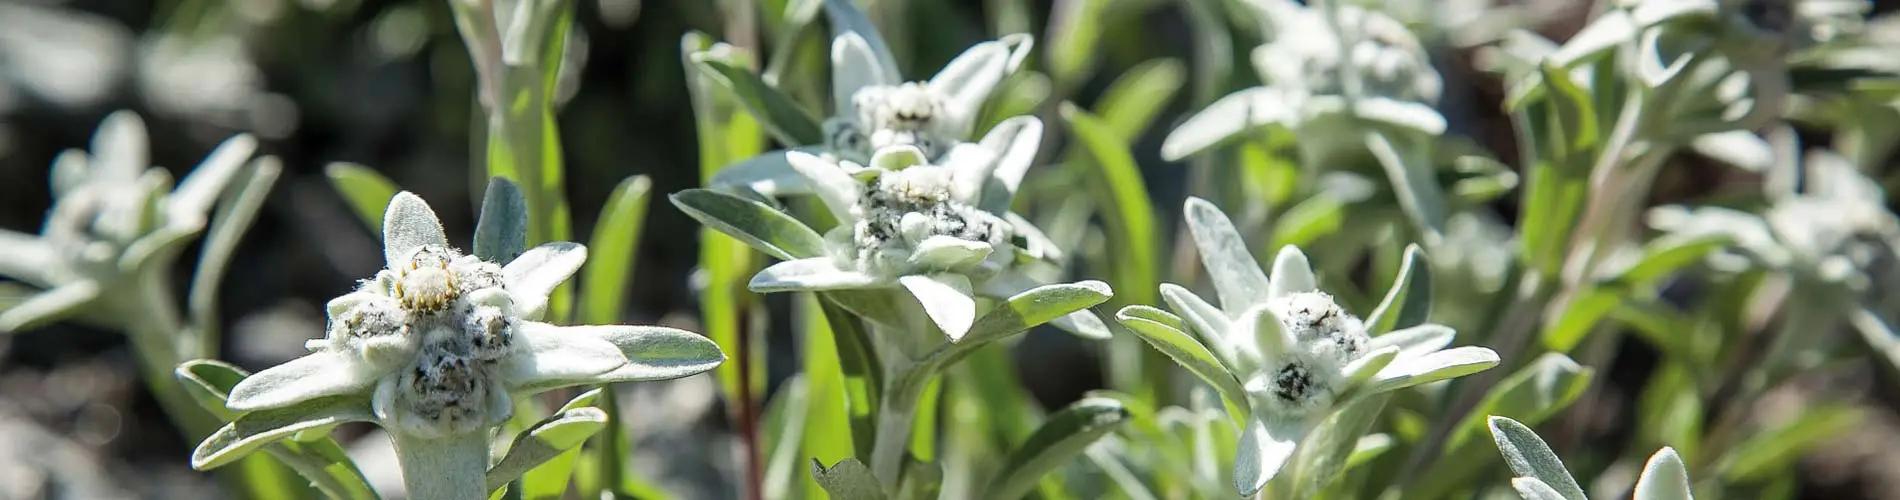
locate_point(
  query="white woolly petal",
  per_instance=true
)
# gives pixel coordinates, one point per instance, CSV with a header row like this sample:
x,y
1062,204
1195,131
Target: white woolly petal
x,y
319,374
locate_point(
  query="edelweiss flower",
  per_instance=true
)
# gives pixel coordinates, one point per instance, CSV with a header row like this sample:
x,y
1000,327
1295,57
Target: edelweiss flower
x,y
873,107
1292,351
436,345
113,218
941,232
1835,230
1324,70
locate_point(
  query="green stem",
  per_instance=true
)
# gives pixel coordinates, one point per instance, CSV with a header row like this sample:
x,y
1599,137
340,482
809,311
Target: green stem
x,y
896,413
613,442
450,468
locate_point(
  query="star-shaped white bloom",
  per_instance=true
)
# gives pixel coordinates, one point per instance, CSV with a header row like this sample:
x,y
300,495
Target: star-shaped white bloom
x,y
942,232
1836,229
114,217
437,344
873,107
1293,353
1324,69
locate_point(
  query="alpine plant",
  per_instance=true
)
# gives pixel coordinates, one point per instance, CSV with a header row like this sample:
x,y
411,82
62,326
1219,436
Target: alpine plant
x,y
115,219
1328,72
874,107
942,233
1286,351
435,347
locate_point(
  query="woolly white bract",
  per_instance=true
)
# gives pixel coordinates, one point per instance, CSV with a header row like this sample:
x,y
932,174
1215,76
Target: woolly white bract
x,y
434,348
1294,353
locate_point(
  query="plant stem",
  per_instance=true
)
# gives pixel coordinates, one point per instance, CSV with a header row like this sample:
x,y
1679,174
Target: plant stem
x,y
896,413
449,468
613,442
749,420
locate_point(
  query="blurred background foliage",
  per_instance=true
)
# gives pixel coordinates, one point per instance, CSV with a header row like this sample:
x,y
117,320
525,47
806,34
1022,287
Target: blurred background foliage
x,y
389,84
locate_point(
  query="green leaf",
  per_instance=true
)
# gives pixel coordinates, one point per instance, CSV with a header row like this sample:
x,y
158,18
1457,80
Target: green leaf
x,y
1574,109
1408,302
366,191
256,429
1529,457
1664,478
325,465
1666,255
320,459
848,479
1305,222
1075,31
1770,452
1532,489
209,382
863,374
1127,213
1018,314
1060,440
501,233
1115,182
1165,332
1408,168
1583,313
557,437
1325,451
828,433
761,226
783,426
782,117
1531,394
1131,103
221,240
726,134
614,251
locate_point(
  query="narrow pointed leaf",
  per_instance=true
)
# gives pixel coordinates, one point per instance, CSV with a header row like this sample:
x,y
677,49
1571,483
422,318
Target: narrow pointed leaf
x,y
654,352
1056,443
1407,168
1162,331
615,249
259,428
1532,489
364,191
1408,302
1529,457
221,241
409,224
1020,313
782,117
761,226
48,306
545,441
501,233
1441,365
946,299
1664,478
1264,450
1415,341
1206,321
202,187
847,480
1236,275
1291,274
320,460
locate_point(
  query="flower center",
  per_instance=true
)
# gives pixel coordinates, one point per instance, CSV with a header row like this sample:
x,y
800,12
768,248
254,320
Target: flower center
x,y
427,286
1295,387
908,114
1321,326
901,209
